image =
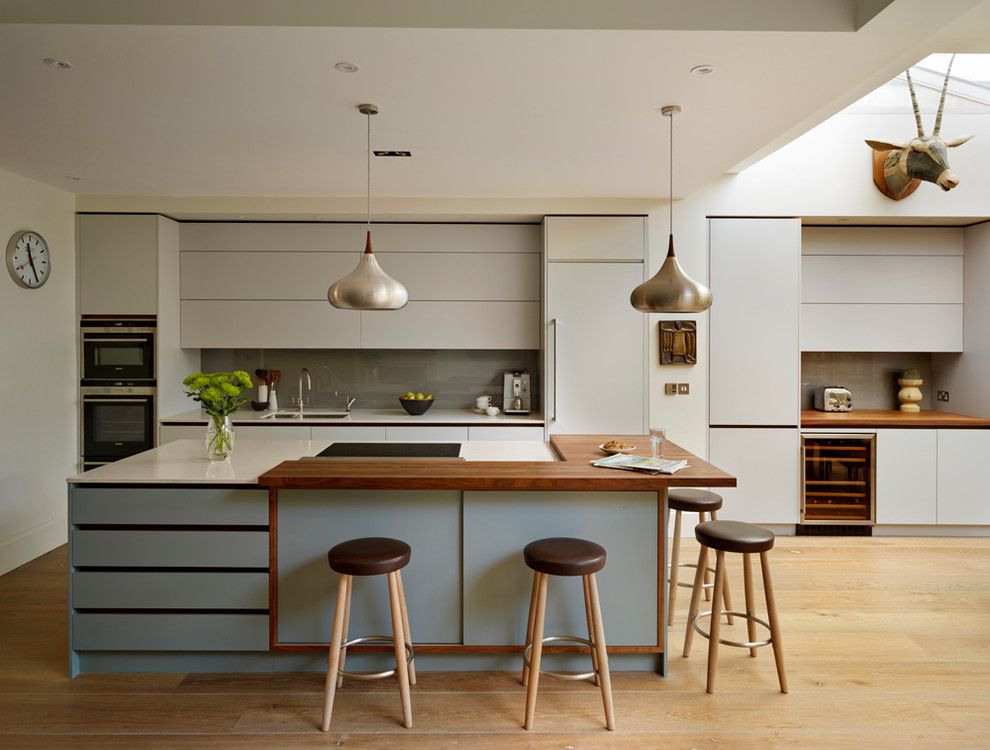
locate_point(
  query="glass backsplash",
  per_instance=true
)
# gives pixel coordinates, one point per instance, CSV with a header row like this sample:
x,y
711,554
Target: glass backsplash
x,y
377,377
871,376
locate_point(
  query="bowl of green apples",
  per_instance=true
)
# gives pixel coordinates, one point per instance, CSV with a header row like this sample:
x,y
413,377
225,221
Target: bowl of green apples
x,y
416,402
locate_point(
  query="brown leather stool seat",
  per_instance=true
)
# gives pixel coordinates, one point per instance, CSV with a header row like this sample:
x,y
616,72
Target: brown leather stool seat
x,y
734,536
369,556
564,556
694,501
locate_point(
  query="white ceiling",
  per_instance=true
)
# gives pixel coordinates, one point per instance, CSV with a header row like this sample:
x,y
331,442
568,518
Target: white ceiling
x,y
259,110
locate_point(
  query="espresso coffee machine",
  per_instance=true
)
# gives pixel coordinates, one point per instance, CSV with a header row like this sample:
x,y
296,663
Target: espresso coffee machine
x,y
515,393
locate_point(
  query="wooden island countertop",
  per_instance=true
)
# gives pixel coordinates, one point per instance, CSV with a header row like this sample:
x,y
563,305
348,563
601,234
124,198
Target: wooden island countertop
x,y
891,418
572,472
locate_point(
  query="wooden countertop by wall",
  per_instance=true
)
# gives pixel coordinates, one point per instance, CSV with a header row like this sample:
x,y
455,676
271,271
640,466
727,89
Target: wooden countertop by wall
x,y
572,472
890,418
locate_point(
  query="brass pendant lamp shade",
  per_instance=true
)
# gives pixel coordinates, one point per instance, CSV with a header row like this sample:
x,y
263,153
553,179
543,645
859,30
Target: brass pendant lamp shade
x,y
671,290
368,287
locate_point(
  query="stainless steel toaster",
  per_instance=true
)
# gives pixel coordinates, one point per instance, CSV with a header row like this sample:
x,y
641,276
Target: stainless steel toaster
x,y
833,398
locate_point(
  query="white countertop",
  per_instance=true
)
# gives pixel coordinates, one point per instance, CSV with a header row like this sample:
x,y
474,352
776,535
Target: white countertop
x,y
396,416
185,462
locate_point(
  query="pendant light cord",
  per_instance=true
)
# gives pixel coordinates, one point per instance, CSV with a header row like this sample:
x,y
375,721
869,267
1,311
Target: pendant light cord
x,y
670,203
368,181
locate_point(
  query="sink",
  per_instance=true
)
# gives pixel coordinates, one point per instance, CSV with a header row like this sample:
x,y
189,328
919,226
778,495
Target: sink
x,y
307,415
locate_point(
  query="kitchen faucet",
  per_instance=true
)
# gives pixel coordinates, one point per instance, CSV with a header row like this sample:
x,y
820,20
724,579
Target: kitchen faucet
x,y
349,400
309,387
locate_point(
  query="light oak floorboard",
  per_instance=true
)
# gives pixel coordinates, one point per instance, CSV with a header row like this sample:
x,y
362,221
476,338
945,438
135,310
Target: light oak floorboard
x,y
887,643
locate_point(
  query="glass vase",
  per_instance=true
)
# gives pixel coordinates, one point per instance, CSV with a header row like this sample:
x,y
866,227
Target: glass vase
x,y
219,437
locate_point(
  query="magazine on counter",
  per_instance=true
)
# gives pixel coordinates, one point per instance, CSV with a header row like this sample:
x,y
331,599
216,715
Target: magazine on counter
x,y
641,463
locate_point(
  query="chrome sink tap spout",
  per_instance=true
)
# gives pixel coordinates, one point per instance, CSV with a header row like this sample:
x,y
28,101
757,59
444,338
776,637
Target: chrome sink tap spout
x,y
349,401
304,375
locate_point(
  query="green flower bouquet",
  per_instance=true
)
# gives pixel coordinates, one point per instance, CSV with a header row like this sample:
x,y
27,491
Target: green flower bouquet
x,y
220,395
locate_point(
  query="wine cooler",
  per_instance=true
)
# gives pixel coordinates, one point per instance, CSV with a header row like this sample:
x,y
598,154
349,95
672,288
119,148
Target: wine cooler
x,y
838,478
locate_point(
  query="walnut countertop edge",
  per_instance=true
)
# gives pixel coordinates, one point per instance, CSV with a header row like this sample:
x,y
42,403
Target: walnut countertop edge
x,y
573,472
891,418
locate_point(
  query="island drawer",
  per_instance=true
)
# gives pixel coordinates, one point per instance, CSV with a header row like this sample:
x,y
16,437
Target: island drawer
x,y
159,505
170,549
169,590
169,632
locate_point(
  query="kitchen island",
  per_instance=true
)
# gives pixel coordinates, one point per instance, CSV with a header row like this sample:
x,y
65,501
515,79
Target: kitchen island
x,y
177,563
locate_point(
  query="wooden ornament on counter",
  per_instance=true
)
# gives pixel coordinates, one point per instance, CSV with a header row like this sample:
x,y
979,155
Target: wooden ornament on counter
x,y
909,395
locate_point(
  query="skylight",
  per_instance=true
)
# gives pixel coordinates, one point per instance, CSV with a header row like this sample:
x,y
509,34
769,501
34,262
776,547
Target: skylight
x,y
969,86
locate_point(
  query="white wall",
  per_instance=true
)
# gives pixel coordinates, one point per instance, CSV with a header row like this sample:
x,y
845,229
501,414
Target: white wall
x,y
967,376
39,446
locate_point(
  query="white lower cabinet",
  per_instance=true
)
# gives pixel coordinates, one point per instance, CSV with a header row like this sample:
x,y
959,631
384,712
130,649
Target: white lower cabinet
x,y
169,432
270,432
487,432
962,494
765,462
907,471
348,433
427,432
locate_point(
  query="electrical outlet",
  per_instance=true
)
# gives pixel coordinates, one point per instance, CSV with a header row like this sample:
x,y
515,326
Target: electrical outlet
x,y
670,389
683,389
943,396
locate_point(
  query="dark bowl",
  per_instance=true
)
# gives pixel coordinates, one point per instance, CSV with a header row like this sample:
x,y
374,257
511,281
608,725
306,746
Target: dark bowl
x,y
416,406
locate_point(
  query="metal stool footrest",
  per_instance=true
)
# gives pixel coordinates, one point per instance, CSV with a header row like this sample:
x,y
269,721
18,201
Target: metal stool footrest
x,y
725,641
374,640
567,639
685,585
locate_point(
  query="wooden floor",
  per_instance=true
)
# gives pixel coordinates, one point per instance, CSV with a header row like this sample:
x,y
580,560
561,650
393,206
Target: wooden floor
x,y
887,644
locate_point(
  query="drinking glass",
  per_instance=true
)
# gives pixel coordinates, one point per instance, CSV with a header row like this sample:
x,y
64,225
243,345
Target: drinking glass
x,y
657,435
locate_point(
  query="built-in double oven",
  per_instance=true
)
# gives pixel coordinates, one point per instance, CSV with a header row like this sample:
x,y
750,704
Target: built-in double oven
x,y
117,388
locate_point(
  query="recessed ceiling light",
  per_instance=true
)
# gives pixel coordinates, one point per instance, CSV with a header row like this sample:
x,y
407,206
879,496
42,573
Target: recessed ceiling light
x,y
703,70
346,67
72,177
842,219
54,62
242,217
391,152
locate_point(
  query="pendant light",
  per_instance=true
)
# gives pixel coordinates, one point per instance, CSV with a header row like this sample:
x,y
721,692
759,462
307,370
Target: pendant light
x,y
671,290
368,287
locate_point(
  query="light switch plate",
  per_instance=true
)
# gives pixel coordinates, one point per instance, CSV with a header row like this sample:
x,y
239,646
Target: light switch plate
x,y
943,396
670,389
683,389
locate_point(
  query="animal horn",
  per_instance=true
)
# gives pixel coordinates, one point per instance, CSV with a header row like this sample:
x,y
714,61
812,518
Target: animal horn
x,y
941,102
914,102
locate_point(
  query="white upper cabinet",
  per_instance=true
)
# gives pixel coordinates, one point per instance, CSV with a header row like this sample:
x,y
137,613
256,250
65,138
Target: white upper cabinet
x,y
876,289
118,264
587,238
470,286
594,341
755,360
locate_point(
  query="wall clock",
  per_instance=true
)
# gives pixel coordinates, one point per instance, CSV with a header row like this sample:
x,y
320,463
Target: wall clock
x,y
28,259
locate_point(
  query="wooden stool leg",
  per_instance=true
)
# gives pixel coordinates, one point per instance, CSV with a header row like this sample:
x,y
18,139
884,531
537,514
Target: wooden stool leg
x,y
716,619
750,609
605,679
333,658
726,598
399,636
533,597
347,630
405,625
695,599
675,559
536,654
591,627
708,576
778,650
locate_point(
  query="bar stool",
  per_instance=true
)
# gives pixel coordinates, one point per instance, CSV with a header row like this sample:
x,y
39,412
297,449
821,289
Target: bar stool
x,y
370,556
563,556
744,538
690,501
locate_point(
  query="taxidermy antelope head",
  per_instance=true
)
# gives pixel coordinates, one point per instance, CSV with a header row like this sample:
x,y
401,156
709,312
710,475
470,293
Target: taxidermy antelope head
x,y
898,170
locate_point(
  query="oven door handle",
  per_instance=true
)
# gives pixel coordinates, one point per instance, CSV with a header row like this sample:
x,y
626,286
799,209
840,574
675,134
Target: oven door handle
x,y
88,340
116,400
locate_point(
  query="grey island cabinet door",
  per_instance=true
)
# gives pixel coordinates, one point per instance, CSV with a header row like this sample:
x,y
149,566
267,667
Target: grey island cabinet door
x,y
497,582
169,549
159,505
310,522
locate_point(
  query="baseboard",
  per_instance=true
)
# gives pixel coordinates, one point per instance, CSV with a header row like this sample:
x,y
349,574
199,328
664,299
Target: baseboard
x,y
954,531
36,541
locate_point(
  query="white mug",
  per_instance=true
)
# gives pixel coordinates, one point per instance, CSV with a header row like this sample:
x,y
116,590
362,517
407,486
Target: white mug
x,y
483,402
492,411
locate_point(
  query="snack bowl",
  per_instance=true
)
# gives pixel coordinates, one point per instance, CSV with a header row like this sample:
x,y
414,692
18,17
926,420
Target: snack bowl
x,y
613,450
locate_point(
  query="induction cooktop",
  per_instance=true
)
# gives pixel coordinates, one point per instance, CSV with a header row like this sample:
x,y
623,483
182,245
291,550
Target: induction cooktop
x,y
392,450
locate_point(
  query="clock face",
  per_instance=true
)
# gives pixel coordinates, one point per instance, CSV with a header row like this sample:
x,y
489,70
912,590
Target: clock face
x,y
28,259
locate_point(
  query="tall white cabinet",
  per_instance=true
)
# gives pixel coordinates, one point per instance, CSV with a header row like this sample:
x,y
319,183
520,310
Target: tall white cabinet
x,y
755,365
595,344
